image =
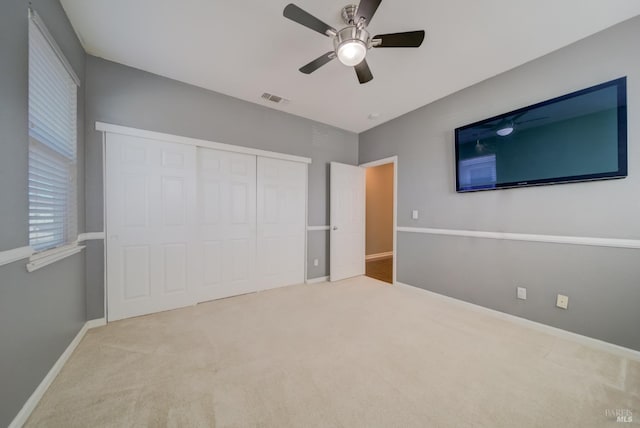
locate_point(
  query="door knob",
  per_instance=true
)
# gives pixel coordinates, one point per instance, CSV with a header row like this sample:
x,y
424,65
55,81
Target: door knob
x,y
335,227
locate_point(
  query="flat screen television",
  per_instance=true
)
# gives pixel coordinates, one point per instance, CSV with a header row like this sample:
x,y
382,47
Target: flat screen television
x,y
580,136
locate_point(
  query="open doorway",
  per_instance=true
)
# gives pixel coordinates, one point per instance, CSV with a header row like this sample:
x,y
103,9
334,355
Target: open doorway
x,y
349,210
380,220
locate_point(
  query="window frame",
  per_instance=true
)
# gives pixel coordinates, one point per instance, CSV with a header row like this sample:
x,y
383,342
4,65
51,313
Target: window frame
x,y
63,157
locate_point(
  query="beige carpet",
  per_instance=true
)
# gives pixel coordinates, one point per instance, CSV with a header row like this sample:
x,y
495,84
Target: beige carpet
x,y
351,354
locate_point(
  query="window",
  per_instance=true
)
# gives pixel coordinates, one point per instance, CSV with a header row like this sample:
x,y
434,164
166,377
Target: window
x,y
478,172
52,142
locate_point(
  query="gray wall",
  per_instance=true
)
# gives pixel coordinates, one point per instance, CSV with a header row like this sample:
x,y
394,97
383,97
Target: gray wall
x,y
40,312
126,96
603,284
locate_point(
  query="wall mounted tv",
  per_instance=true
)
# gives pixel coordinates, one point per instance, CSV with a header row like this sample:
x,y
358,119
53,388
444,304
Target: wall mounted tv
x,y
580,136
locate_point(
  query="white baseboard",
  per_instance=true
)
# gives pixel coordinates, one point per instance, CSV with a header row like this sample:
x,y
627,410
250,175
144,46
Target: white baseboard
x,y
618,350
24,413
317,280
98,322
379,256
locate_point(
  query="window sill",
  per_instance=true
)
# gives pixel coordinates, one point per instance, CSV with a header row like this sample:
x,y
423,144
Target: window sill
x,y
47,257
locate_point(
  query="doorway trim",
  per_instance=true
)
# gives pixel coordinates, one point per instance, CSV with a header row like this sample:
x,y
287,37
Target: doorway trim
x,y
394,161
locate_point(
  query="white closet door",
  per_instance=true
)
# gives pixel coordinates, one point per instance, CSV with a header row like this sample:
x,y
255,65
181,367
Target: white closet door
x,y
227,224
281,222
150,225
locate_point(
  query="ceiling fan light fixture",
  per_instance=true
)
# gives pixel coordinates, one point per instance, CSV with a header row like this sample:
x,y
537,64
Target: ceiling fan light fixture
x,y
351,52
351,45
504,131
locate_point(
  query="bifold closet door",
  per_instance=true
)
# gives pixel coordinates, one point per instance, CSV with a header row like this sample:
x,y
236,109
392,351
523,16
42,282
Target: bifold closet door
x,y
281,222
150,225
227,224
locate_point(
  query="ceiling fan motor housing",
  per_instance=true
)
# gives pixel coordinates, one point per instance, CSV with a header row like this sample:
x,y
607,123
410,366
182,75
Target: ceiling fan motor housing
x,y
350,34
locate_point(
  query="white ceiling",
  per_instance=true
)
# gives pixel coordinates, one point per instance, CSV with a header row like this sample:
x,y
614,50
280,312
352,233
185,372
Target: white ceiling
x,y
245,48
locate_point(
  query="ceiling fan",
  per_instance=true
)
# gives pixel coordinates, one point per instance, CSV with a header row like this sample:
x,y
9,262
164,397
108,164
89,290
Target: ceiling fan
x,y
506,126
350,44
502,128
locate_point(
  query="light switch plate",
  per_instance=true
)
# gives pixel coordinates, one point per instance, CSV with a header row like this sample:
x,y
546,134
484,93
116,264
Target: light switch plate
x,y
315,262
414,214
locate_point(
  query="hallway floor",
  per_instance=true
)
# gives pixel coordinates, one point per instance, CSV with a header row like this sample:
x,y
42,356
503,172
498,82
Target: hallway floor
x,y
380,269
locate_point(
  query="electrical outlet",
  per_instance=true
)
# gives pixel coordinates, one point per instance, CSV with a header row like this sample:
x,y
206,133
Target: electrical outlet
x,y
562,301
414,214
315,262
522,293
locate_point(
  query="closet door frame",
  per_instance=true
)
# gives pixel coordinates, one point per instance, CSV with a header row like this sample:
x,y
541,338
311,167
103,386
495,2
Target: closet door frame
x,y
107,128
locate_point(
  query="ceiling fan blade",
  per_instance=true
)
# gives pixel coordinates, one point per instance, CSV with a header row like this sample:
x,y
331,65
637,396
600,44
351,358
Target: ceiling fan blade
x,y
363,72
298,15
410,39
318,62
366,10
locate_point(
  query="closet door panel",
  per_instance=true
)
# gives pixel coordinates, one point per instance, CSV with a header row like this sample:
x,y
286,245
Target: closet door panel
x,y
281,222
227,223
150,225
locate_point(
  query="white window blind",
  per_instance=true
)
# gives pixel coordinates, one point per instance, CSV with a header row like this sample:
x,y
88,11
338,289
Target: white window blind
x,y
52,142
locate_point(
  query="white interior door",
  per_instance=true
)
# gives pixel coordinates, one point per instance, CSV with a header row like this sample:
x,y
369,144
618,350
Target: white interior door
x,y
150,225
227,224
347,212
281,222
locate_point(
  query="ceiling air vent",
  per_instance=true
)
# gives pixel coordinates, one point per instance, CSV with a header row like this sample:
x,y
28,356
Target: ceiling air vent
x,y
274,98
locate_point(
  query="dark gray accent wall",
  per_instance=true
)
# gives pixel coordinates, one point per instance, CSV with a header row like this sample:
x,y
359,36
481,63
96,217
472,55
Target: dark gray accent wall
x,y
40,312
603,284
126,96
